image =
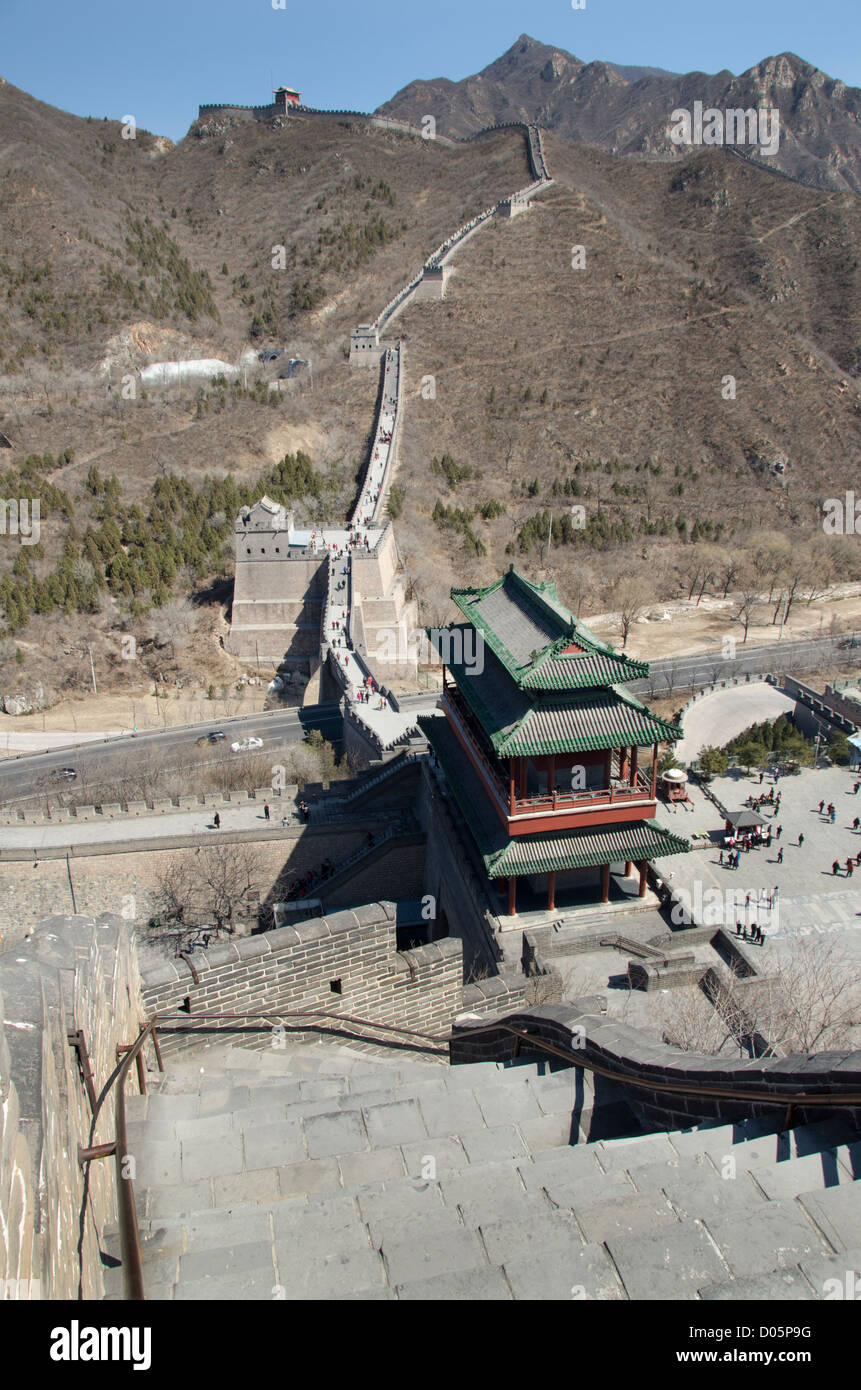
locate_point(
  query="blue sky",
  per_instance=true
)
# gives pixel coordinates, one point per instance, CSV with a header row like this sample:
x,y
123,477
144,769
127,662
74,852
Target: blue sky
x,y
158,59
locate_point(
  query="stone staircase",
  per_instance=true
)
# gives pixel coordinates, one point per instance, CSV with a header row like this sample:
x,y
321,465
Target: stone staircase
x,y
319,1171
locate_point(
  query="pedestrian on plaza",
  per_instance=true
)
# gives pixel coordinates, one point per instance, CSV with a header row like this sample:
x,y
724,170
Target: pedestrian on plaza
x,y
780,855
778,832
800,841
856,823
833,816
777,801
737,859
266,809
850,865
216,820
835,868
761,775
855,788
738,928
821,806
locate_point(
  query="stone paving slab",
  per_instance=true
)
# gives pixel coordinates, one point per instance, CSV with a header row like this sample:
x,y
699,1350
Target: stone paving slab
x,y
672,1264
468,1286
844,1267
377,1166
783,1285
837,1213
531,1237
802,1174
775,1236
487,1145
206,1158
423,1229
308,1178
328,1135
697,1191
504,1105
450,1113
566,1191
271,1146
406,1262
448,1156
251,1257
584,1273
398,1123
158,1164
626,1214
405,1201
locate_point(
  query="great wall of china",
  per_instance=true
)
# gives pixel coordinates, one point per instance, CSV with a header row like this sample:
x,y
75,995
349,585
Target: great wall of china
x,y
334,597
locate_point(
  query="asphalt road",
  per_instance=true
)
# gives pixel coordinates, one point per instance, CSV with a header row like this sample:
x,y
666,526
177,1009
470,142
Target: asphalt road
x,y
24,777
709,668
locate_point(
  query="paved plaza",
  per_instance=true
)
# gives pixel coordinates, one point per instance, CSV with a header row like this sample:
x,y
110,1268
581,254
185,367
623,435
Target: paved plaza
x,y
812,901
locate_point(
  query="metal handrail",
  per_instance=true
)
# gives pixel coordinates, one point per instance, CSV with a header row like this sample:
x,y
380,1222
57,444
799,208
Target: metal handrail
x,y
133,1285
693,1089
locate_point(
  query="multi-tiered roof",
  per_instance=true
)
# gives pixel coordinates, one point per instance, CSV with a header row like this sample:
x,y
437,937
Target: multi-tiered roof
x,y
535,683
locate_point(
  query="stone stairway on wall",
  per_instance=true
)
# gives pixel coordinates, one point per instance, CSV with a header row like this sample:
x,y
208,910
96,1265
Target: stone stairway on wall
x,y
320,1171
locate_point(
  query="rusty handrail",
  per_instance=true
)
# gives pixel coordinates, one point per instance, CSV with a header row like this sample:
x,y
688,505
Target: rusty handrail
x,y
133,1285
694,1089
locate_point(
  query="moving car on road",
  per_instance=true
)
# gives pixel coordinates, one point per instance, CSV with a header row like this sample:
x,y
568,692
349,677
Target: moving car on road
x,y
63,774
214,736
246,745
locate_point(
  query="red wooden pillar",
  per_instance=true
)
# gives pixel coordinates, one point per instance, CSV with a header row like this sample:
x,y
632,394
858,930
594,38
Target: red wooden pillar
x,y
623,769
634,765
605,884
628,867
551,774
512,897
522,762
655,770
608,764
511,785
551,892
643,867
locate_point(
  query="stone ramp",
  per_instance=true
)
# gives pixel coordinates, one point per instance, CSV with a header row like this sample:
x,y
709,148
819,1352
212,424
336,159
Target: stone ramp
x,y
320,1172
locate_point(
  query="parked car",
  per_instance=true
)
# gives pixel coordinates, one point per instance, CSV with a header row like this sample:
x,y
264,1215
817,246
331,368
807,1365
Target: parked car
x,y
63,774
246,745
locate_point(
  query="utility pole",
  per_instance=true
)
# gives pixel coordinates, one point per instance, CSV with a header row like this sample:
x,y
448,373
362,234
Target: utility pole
x,y
549,534
92,670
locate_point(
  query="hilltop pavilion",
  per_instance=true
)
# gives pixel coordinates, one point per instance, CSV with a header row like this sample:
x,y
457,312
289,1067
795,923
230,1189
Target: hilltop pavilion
x,y
553,764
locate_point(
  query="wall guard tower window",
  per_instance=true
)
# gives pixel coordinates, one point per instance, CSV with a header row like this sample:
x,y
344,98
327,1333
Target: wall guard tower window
x,y
335,986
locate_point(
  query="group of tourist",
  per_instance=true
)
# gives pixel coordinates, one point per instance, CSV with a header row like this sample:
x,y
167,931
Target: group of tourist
x,y
301,887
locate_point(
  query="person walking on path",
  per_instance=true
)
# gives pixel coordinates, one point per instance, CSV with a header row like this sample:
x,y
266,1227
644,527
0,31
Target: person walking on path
x,y
855,788
850,866
833,816
266,809
780,855
216,820
835,868
738,928
856,823
821,806
800,840
778,832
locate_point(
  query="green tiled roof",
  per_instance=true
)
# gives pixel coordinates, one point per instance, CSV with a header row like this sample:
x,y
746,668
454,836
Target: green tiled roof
x,y
538,853
540,643
583,849
527,723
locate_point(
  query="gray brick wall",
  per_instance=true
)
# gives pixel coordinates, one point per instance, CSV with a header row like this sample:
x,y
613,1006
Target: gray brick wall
x,y
295,967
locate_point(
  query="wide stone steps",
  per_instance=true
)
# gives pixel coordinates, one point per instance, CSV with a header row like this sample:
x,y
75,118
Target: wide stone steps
x,y
315,1172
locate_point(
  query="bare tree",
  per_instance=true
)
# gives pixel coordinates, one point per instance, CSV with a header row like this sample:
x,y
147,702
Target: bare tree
x,y
212,884
812,1003
630,597
747,604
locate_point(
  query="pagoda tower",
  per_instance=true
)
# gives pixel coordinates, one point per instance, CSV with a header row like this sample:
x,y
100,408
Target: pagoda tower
x,y
553,764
